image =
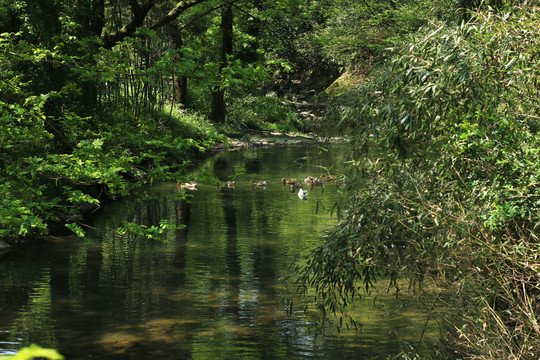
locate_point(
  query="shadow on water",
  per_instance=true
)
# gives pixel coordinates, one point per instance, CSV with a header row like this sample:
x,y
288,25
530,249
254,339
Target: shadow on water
x,y
214,290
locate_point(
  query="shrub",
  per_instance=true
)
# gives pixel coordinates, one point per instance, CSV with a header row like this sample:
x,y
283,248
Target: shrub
x,y
262,113
451,183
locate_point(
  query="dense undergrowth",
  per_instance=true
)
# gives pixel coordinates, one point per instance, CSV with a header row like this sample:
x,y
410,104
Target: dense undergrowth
x,y
44,182
57,166
444,187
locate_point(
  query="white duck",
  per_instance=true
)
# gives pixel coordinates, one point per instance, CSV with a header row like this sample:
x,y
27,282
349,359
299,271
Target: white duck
x,y
302,194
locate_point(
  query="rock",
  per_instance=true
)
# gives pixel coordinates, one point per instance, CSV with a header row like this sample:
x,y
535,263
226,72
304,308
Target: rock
x,y
275,138
4,246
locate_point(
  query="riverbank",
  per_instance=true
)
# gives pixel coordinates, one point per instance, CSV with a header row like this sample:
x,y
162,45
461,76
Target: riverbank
x,y
275,138
93,192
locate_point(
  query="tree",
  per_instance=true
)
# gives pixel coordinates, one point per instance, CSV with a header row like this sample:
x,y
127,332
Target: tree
x,y
219,109
140,13
180,81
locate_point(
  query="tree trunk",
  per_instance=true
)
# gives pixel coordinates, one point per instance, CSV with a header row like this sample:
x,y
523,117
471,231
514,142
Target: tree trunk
x,y
219,109
180,90
179,80
91,17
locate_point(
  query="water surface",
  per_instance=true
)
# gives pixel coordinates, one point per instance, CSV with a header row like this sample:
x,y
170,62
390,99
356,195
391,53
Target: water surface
x,y
216,289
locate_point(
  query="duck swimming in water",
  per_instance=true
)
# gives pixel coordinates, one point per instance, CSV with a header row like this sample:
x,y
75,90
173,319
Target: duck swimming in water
x,y
302,194
260,183
187,186
327,178
223,185
288,182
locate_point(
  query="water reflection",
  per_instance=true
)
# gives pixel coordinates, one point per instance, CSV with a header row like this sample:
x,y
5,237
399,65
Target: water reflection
x,y
215,289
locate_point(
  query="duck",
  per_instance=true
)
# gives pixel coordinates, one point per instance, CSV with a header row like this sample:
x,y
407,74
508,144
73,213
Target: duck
x,y
302,194
327,178
259,183
187,186
288,182
228,184
295,186
313,181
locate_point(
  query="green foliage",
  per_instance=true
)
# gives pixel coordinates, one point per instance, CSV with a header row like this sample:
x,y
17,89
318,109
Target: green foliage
x,y
446,186
262,113
473,89
24,212
33,352
152,232
57,164
390,230
76,229
357,31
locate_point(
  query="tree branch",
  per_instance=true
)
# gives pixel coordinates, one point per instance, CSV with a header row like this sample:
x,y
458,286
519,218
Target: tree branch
x,y
201,16
140,12
139,15
244,11
175,12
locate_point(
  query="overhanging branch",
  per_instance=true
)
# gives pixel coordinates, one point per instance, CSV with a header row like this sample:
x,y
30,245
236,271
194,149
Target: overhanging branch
x,y
175,12
140,12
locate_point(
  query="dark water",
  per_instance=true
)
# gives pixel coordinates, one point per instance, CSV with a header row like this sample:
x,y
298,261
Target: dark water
x,y
214,290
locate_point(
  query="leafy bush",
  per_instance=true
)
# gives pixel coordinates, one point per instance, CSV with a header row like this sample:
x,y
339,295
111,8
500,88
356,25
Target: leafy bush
x,y
262,113
447,186
33,352
56,164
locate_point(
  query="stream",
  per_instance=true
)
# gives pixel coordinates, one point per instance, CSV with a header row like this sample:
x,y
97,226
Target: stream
x,y
216,289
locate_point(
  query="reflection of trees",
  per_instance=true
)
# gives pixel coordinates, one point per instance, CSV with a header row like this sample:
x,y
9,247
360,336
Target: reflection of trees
x,y
76,277
215,285
232,261
34,323
251,263
232,257
133,271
